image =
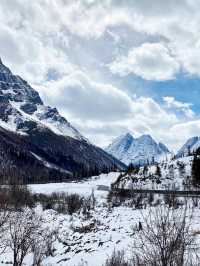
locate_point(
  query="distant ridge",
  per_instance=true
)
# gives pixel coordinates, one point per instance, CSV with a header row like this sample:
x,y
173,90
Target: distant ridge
x,y
191,145
138,151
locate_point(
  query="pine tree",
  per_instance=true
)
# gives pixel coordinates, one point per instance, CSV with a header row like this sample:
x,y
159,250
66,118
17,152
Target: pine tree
x,y
158,171
196,170
198,151
145,170
189,151
130,168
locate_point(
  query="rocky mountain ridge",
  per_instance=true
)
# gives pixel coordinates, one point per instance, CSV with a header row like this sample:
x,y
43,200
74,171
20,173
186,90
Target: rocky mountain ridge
x,y
139,151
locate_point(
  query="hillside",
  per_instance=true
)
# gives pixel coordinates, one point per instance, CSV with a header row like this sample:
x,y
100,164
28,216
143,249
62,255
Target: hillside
x,y
167,175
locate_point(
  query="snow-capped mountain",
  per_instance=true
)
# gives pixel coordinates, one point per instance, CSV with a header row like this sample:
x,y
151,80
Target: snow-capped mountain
x,y
36,141
22,107
191,145
140,150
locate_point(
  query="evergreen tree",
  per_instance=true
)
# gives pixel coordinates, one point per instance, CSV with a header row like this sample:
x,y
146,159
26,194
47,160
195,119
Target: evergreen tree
x,y
145,170
130,168
197,151
158,171
189,151
196,170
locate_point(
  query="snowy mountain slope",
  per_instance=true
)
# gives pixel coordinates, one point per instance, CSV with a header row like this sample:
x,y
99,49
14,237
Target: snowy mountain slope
x,y
137,150
191,145
172,175
37,142
21,105
120,146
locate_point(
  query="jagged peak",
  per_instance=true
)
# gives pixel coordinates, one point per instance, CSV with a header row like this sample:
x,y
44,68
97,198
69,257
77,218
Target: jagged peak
x,y
127,135
3,68
137,150
19,95
124,137
146,137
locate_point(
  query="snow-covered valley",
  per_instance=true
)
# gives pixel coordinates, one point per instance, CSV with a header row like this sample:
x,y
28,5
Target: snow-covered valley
x,y
90,239
84,187
111,228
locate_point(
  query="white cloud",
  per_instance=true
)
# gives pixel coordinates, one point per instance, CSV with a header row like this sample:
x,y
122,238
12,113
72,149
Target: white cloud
x,y
83,98
101,111
62,46
182,106
151,61
92,19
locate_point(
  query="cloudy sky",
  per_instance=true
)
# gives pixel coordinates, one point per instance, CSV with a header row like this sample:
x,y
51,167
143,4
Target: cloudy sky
x,y
110,66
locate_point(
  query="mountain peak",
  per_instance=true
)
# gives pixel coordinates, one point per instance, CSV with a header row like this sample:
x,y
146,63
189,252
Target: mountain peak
x,y
137,150
4,71
146,137
127,136
22,108
192,144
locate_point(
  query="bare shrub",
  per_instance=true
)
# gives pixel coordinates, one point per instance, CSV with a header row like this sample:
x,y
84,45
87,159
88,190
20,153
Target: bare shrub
x,y
23,228
166,238
20,196
82,263
49,201
117,198
195,201
171,200
74,203
139,201
4,217
16,196
117,259
61,202
150,198
88,205
43,245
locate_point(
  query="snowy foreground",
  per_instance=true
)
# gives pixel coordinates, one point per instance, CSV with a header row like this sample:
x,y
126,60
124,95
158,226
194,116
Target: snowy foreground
x,y
112,228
